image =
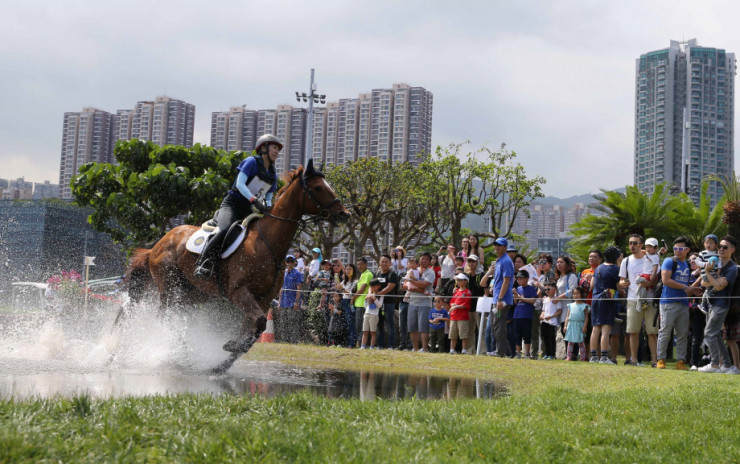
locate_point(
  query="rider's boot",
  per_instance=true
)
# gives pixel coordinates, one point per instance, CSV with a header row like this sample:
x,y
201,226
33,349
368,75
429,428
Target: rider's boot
x,y
206,263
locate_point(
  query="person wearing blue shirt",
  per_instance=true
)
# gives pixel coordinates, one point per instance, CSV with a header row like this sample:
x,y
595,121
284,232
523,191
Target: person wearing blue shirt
x,y
254,187
503,296
288,317
674,303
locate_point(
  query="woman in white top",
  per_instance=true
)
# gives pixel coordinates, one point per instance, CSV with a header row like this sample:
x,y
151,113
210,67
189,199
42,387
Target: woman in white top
x,y
315,265
399,262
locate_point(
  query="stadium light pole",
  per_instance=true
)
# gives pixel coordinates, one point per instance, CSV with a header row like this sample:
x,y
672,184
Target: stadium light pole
x,y
311,97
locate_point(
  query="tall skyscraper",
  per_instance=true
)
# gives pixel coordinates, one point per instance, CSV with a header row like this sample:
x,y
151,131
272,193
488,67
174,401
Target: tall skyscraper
x,y
164,121
684,117
87,136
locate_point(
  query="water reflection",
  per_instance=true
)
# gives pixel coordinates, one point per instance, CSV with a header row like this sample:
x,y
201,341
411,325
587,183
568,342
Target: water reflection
x,y
272,381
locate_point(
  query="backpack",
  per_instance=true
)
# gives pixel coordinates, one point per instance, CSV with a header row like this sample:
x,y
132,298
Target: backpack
x,y
658,289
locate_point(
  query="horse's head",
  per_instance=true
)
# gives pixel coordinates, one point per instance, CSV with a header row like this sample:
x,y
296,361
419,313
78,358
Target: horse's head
x,y
324,201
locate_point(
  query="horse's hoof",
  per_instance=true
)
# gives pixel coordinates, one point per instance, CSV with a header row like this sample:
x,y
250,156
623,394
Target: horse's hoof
x,y
231,346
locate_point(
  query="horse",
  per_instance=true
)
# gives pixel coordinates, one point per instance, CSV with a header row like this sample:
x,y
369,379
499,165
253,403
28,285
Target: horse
x,y
253,275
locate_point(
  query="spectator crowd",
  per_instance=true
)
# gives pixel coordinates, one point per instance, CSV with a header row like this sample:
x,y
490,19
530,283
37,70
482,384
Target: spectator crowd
x,y
683,307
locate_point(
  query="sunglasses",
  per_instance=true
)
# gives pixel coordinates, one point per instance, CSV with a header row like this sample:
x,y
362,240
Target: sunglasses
x,y
680,248
634,243
724,247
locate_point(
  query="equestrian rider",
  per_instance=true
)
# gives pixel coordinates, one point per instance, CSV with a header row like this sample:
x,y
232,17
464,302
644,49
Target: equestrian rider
x,y
253,188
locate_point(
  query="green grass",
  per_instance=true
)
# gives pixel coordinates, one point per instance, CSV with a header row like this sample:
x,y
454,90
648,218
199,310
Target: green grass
x,y
556,412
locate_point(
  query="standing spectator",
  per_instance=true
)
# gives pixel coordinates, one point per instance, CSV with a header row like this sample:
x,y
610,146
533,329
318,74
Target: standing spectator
x,y
474,284
603,303
388,285
546,274
438,316
674,303
420,304
399,262
720,288
435,266
349,286
363,286
314,267
403,305
373,303
512,251
567,280
300,263
487,284
460,314
465,248
288,321
595,257
503,296
524,297
697,318
575,325
477,250
551,310
632,266
337,323
447,266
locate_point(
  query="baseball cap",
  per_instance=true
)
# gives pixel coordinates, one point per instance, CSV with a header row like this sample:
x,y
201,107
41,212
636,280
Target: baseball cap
x,y
290,258
317,250
472,258
652,241
461,276
502,242
523,273
511,247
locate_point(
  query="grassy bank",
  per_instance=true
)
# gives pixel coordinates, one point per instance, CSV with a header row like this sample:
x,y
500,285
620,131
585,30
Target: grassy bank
x,y
556,412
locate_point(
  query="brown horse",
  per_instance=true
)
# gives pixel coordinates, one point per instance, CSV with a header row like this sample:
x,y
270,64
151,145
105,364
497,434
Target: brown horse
x,y
252,276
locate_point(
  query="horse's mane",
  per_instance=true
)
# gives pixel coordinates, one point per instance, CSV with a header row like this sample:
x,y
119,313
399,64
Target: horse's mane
x,y
289,177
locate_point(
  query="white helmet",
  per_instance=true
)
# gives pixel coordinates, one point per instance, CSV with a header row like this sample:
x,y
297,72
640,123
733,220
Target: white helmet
x,y
267,138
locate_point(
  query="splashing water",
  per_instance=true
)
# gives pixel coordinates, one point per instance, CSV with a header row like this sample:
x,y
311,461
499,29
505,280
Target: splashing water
x,y
145,342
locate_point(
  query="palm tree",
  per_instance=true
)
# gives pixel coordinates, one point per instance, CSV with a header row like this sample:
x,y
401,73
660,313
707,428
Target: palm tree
x,y
698,222
731,207
624,214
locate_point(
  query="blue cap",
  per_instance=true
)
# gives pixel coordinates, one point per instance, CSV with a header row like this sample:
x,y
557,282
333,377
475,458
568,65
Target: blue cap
x,y
713,237
502,242
317,250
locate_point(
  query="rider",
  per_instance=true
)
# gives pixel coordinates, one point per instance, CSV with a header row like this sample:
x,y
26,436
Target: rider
x,y
253,188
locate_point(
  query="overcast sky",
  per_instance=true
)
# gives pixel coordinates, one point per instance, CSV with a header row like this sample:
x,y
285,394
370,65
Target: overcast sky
x,y
554,80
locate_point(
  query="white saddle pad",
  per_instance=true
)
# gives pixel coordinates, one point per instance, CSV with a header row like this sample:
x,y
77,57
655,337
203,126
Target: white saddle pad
x,y
198,240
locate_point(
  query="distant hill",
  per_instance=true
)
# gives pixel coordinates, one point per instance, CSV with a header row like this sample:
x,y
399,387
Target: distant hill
x,y
586,198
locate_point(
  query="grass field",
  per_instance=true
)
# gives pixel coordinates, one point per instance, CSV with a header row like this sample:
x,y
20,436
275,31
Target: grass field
x,y
555,412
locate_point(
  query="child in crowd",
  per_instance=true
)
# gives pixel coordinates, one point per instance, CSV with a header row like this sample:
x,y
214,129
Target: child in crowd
x,y
551,311
337,322
524,297
708,261
437,318
460,313
651,272
373,303
575,325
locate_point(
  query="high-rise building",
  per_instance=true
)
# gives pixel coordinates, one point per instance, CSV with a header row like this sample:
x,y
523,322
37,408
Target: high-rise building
x,y
684,117
389,124
87,136
164,121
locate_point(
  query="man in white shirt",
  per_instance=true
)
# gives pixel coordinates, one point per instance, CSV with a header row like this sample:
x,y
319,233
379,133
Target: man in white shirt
x,y
639,312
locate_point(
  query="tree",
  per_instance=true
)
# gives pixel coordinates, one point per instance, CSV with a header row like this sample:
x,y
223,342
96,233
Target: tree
x,y
730,202
696,222
135,199
624,214
502,193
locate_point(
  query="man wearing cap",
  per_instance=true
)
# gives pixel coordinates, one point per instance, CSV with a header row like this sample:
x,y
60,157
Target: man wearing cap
x,y
511,251
503,295
287,317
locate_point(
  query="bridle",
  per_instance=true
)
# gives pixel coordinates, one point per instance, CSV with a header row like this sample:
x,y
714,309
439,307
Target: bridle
x,y
324,212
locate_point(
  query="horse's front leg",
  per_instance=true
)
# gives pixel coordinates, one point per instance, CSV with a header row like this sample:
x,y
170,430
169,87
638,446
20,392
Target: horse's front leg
x,y
253,325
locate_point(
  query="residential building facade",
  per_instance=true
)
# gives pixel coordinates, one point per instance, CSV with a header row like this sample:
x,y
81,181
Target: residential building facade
x,y
684,117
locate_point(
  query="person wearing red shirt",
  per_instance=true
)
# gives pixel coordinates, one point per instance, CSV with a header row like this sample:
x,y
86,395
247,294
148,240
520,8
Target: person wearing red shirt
x,y
460,313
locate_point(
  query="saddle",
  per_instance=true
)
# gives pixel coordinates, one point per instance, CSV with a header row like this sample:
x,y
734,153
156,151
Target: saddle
x,y
234,237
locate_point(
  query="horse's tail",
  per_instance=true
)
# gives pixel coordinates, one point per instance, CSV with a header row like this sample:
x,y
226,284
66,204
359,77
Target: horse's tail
x,y
138,275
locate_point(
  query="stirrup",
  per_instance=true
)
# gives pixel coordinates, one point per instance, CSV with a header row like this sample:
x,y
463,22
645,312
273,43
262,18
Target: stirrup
x,y
205,269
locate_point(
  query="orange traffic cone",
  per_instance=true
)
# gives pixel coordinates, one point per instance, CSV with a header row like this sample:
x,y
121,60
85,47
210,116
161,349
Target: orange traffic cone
x,y
268,336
